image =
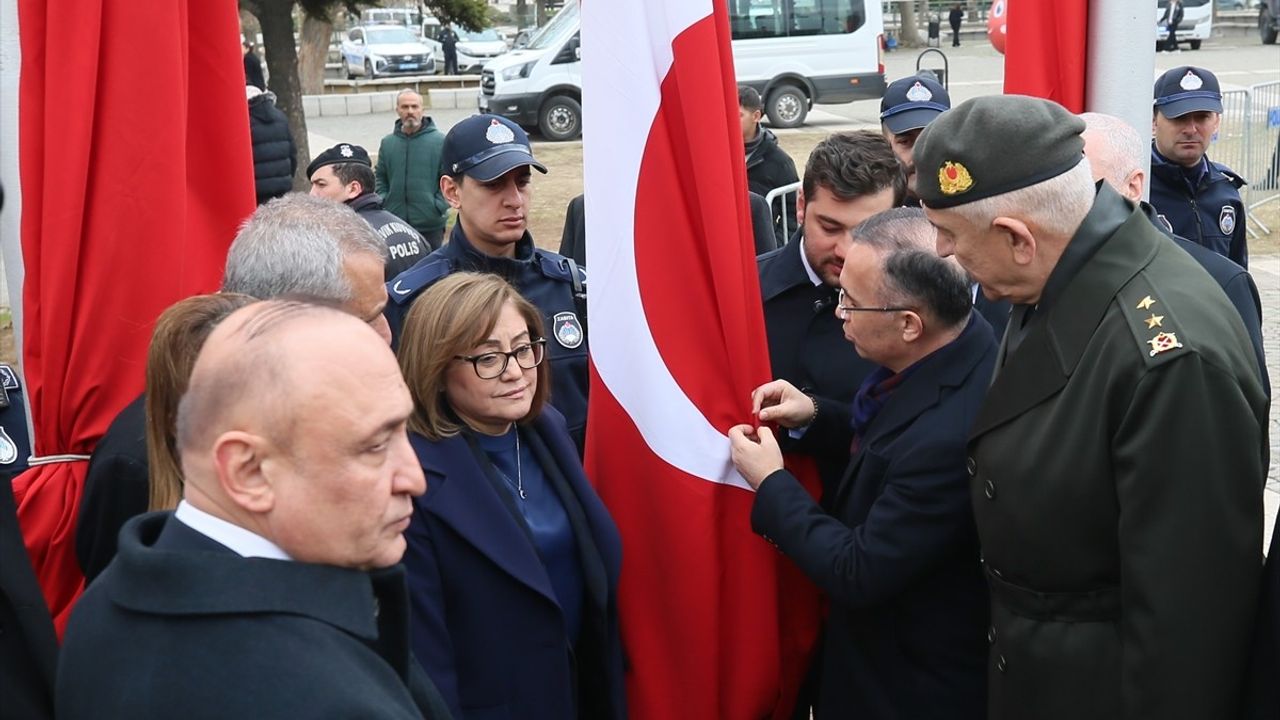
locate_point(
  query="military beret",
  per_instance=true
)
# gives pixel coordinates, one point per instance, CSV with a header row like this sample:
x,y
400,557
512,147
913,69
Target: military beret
x,y
1187,89
341,153
993,145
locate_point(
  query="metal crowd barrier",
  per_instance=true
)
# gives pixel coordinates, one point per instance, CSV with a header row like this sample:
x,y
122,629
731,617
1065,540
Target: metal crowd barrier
x,y
780,194
1262,161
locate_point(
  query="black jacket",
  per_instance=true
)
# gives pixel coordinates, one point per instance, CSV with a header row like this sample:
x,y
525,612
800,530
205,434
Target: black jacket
x,y
28,645
116,488
405,247
182,627
806,341
768,167
275,158
895,548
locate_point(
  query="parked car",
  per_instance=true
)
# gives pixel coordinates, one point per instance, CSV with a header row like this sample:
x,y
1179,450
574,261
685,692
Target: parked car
x,y
1196,25
374,50
477,48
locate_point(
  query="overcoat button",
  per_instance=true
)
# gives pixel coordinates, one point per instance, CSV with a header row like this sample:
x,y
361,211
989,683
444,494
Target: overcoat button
x,y
989,489
1000,665
972,466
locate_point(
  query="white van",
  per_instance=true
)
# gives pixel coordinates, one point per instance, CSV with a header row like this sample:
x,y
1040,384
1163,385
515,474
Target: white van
x,y
794,52
1196,25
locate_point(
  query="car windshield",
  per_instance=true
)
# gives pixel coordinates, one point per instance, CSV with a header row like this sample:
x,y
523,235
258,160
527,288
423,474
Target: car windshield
x,y
390,36
557,31
488,35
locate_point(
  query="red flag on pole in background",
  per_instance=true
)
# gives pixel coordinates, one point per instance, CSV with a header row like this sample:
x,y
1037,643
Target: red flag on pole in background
x,y
716,623
1045,48
136,168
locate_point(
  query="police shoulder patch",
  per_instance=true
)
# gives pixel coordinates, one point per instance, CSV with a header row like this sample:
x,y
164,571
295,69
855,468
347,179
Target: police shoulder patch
x,y
1227,219
567,330
1155,332
8,448
9,378
421,276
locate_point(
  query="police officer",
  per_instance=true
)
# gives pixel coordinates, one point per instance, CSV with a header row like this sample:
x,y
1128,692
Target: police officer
x,y
1118,458
1198,197
343,173
486,170
908,105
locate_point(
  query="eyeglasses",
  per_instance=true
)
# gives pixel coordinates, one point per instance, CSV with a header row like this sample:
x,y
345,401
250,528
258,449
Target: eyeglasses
x,y
492,364
842,310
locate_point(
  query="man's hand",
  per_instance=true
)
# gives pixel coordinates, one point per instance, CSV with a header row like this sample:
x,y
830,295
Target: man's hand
x,y
755,453
781,402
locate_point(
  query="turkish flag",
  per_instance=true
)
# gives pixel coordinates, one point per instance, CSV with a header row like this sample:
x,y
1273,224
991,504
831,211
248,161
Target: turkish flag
x,y
1045,48
715,622
136,168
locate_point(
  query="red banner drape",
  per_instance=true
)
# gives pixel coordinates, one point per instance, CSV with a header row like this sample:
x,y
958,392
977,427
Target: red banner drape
x,y
1045,49
136,168
716,623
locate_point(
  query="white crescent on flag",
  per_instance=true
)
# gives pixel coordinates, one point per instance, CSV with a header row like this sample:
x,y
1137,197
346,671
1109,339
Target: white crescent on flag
x,y
623,105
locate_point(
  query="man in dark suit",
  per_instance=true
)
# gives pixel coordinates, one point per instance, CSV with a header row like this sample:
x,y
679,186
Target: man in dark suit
x,y
848,177
1118,458
274,590
894,545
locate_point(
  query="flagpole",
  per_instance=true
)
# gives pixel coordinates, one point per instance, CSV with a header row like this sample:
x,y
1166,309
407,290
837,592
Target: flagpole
x,y
1121,64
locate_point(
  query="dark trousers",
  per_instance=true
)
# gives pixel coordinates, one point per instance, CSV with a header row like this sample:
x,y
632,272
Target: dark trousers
x,y
1172,43
955,34
450,62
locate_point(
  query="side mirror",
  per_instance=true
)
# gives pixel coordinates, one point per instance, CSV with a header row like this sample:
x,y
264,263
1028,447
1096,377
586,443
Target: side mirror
x,y
577,53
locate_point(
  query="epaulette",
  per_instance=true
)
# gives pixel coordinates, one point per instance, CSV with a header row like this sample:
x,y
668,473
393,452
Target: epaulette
x,y
559,267
1232,177
409,283
1151,321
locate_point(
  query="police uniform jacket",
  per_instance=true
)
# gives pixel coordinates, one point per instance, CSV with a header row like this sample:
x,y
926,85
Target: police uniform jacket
x,y
486,622
1117,466
180,626
405,247
28,645
806,341
117,487
1207,210
895,548
547,280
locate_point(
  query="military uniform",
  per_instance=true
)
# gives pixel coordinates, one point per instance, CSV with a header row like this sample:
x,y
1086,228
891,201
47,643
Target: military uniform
x,y
1203,205
554,284
1117,468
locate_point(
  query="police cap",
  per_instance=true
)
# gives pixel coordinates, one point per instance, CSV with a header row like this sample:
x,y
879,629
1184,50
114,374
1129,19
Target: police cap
x,y
486,147
1187,89
912,102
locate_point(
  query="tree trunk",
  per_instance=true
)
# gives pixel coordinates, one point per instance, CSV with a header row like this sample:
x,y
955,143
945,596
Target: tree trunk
x,y
541,15
908,33
313,54
522,15
276,19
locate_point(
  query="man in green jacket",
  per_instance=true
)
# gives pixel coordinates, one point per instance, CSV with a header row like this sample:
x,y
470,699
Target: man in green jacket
x,y
1117,462
408,172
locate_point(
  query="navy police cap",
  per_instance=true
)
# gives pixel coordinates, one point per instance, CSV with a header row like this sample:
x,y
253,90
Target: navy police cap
x,y
910,103
486,147
1187,89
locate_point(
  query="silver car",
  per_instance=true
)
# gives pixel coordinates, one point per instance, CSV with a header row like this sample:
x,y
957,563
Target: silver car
x,y
375,50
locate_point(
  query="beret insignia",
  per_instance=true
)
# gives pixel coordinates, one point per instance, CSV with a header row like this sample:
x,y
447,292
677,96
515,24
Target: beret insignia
x,y
954,178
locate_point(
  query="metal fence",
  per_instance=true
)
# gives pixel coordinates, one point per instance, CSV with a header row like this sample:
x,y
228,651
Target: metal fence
x,y
779,194
1248,142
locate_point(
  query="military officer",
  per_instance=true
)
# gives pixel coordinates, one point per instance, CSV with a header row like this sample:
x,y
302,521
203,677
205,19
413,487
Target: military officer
x,y
1199,198
486,175
1117,461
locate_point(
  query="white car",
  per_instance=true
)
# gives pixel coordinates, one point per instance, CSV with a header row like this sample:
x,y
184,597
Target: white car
x,y
374,50
477,48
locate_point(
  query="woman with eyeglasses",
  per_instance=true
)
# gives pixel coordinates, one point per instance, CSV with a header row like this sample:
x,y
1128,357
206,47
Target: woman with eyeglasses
x,y
512,558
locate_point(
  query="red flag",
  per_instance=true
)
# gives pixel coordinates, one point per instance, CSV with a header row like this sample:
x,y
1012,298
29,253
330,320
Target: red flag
x,y
135,169
1045,50
716,623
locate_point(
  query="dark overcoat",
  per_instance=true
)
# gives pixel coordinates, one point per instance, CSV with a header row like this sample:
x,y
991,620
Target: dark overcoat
x,y
895,549
179,626
486,623
1117,467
